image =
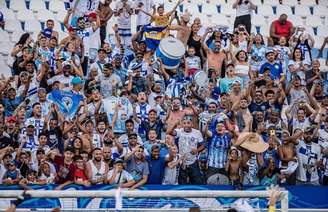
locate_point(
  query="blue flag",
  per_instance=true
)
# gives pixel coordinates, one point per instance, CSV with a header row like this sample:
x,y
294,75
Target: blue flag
x,y
67,101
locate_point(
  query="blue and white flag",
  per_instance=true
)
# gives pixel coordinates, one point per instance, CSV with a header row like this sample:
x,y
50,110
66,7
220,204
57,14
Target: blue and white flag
x,y
67,101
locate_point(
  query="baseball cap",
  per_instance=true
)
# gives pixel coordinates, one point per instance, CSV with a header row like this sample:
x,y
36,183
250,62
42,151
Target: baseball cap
x,y
118,160
65,63
269,51
136,66
132,134
92,15
77,80
71,28
11,162
11,119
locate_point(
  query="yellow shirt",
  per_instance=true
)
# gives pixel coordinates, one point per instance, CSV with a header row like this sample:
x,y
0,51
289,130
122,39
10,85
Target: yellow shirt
x,y
161,20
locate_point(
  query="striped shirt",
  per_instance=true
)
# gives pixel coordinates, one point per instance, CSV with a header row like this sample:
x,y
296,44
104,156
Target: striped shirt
x,y
218,147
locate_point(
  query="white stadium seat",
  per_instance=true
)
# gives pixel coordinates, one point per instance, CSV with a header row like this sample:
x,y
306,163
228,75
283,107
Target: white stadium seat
x,y
302,10
25,15
271,2
44,15
32,26
309,3
322,31
318,41
16,35
62,35
57,26
257,2
296,20
56,6
5,69
6,47
210,9
12,25
4,36
36,5
283,9
3,4
310,30
7,13
60,15
314,21
226,9
17,5
265,10
220,20
265,30
323,3
320,11
192,8
258,20
290,2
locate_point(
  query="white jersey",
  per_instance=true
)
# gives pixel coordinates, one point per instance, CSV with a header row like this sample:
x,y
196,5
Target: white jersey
x,y
188,141
85,35
97,174
96,141
171,174
308,155
37,123
323,138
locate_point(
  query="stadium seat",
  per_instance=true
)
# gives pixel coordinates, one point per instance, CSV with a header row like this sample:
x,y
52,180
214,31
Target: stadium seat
x,y
8,13
320,11
32,26
25,15
257,2
290,2
322,31
16,35
5,69
318,41
219,19
258,20
226,9
37,5
43,15
272,2
309,3
296,20
58,27
323,3
3,5
314,21
56,6
265,30
13,25
210,9
6,47
302,10
310,30
283,9
265,10
62,35
60,15
17,5
192,8
4,36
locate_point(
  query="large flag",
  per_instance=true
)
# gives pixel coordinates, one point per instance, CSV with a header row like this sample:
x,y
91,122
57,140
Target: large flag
x,y
153,36
82,8
67,101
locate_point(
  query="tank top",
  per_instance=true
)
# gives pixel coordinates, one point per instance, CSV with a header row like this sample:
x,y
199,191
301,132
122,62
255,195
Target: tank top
x,y
282,30
97,174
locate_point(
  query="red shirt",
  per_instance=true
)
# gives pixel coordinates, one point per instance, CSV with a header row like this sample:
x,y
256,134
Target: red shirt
x,y
64,172
79,173
283,30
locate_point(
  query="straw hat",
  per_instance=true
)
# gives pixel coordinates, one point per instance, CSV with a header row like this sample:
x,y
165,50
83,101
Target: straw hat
x,y
252,142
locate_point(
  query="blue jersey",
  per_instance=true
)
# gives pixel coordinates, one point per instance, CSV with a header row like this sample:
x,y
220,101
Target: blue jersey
x,y
275,69
218,147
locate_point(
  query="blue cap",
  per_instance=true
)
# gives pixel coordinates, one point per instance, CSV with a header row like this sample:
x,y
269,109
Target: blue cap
x,y
77,80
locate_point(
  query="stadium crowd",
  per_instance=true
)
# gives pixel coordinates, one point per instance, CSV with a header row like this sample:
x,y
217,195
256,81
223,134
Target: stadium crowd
x,y
94,108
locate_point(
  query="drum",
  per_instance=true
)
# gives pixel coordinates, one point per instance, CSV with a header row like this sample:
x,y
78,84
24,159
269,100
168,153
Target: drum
x,y
201,79
170,50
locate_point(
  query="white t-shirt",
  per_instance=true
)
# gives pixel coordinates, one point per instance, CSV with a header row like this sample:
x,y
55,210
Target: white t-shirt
x,y
308,155
142,18
243,9
65,81
188,141
37,123
120,178
109,84
124,19
85,35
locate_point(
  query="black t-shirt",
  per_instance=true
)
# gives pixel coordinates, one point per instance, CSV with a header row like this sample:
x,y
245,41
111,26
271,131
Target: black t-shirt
x,y
55,137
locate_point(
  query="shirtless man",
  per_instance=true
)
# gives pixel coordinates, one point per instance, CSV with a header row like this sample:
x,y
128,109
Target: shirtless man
x,y
175,114
183,30
242,112
72,37
105,13
215,57
233,167
287,153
